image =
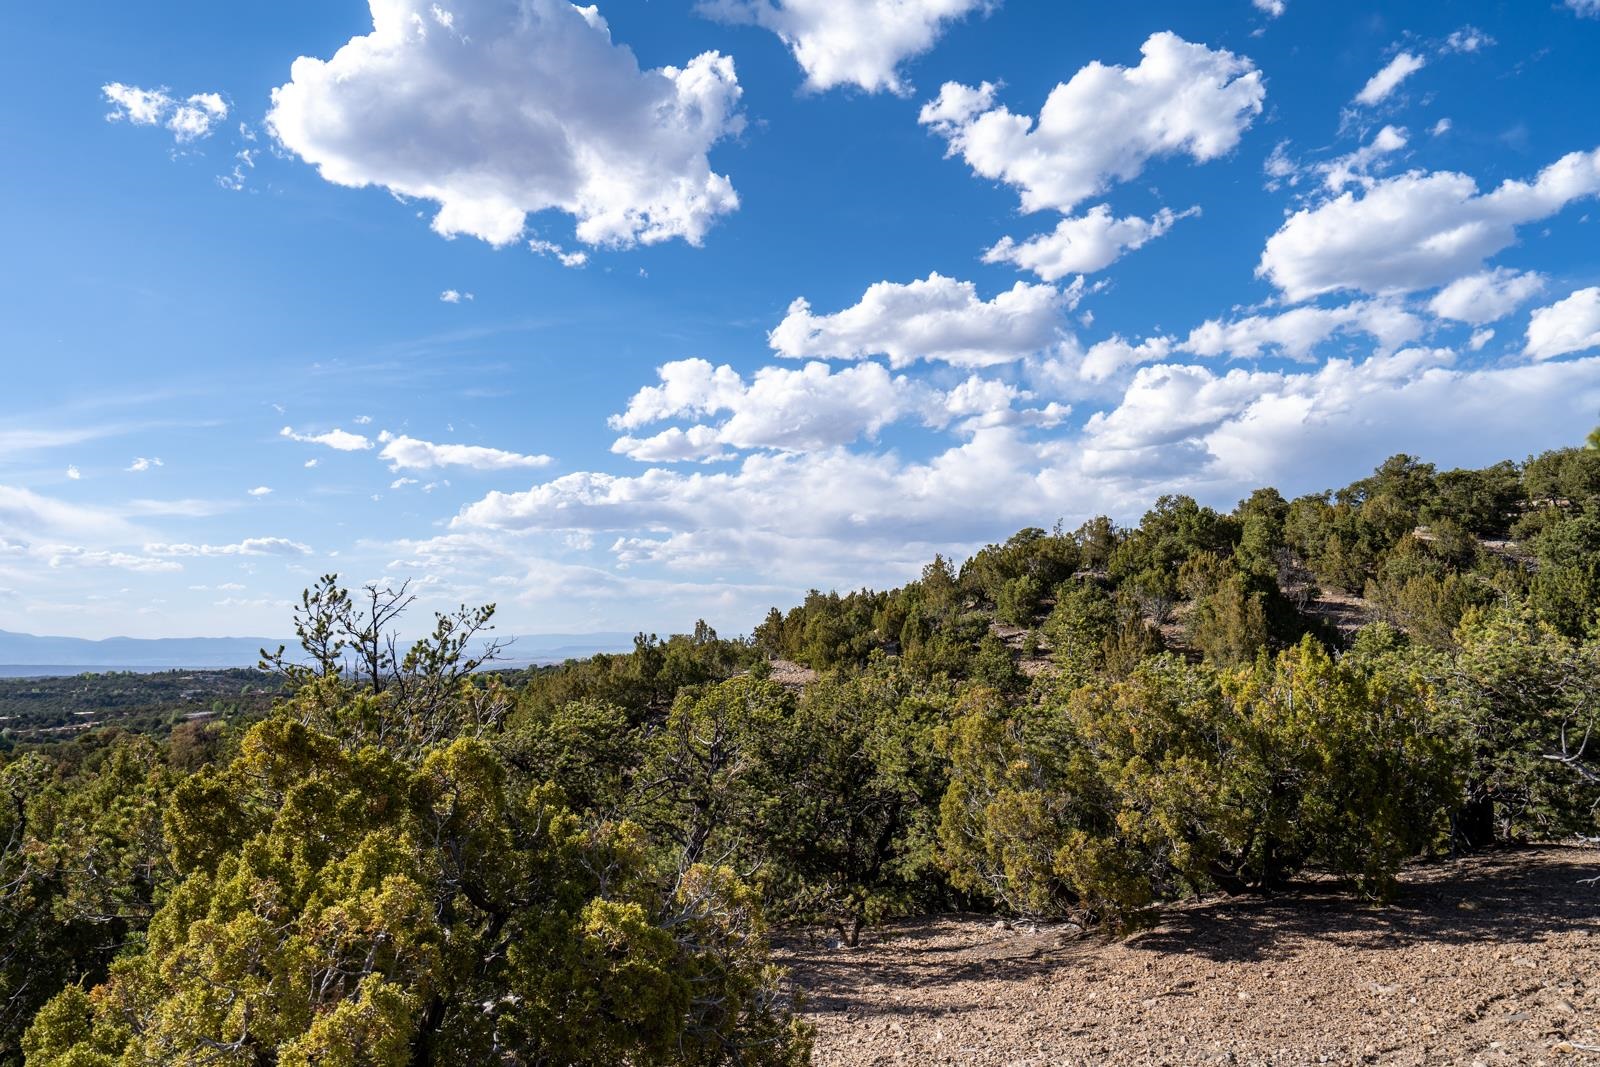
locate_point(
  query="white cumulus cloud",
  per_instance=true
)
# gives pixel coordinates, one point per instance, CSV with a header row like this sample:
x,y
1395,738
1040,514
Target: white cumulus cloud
x,y
339,440
1106,359
189,119
675,444
1301,430
1083,244
508,107
1105,123
850,42
1296,333
1415,230
1355,167
1467,39
1570,325
1486,297
793,496
937,319
787,409
691,387
1175,429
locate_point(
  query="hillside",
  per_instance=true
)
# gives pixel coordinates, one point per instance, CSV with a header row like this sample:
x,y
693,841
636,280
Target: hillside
x,y
126,653
1216,787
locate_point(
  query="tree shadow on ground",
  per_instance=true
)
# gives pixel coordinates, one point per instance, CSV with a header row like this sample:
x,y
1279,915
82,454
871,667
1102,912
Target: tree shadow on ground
x,y
1498,896
1511,897
916,952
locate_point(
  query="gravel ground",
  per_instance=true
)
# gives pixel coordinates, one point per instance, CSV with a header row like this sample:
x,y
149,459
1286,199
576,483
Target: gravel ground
x,y
1489,960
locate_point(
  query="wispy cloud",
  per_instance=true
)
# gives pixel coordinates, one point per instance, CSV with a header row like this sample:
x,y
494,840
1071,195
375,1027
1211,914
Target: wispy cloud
x,y
340,440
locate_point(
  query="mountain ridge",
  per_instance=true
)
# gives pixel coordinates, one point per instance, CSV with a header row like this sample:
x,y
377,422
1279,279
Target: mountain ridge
x,y
25,649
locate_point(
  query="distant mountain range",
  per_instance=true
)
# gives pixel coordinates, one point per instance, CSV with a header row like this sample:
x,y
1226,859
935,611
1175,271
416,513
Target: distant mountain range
x,y
137,653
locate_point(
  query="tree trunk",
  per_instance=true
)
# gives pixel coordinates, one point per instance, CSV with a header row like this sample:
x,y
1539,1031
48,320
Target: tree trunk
x,y
422,1047
1473,826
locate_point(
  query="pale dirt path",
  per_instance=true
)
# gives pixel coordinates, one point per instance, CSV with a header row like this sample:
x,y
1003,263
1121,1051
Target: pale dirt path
x,y
1489,960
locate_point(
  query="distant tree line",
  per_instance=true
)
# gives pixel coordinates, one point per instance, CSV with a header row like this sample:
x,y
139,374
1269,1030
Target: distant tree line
x,y
44,710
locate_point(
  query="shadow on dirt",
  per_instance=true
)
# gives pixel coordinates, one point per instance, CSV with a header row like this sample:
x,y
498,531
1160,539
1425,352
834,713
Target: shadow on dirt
x,y
1496,896
1500,897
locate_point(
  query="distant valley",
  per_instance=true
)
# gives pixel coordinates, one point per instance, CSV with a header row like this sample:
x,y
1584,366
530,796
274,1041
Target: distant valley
x,y
28,655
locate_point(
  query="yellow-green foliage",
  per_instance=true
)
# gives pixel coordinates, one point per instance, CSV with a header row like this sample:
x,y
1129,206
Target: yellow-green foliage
x,y
1182,777
1022,804
358,905
1529,700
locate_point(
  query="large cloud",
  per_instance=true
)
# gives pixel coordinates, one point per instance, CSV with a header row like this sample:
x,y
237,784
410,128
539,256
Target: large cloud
x,y
851,516
1415,230
1105,123
810,409
793,410
1570,325
850,42
1320,428
834,494
691,387
499,108
936,318
1297,332
1486,297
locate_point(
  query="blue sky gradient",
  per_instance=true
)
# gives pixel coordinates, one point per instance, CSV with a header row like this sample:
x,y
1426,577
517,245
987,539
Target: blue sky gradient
x,y
185,297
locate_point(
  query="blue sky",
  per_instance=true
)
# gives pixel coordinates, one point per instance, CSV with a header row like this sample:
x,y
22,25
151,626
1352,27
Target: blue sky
x,y
626,316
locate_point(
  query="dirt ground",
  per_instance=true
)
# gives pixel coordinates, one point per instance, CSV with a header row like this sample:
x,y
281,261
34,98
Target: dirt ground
x,y
1489,960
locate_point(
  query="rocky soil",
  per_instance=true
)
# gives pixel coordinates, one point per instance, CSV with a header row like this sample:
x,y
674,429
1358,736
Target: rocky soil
x,y
1489,960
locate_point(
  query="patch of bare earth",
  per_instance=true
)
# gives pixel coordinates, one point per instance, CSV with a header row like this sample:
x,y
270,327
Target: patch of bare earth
x,y
1494,959
1344,612
1015,638
790,674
